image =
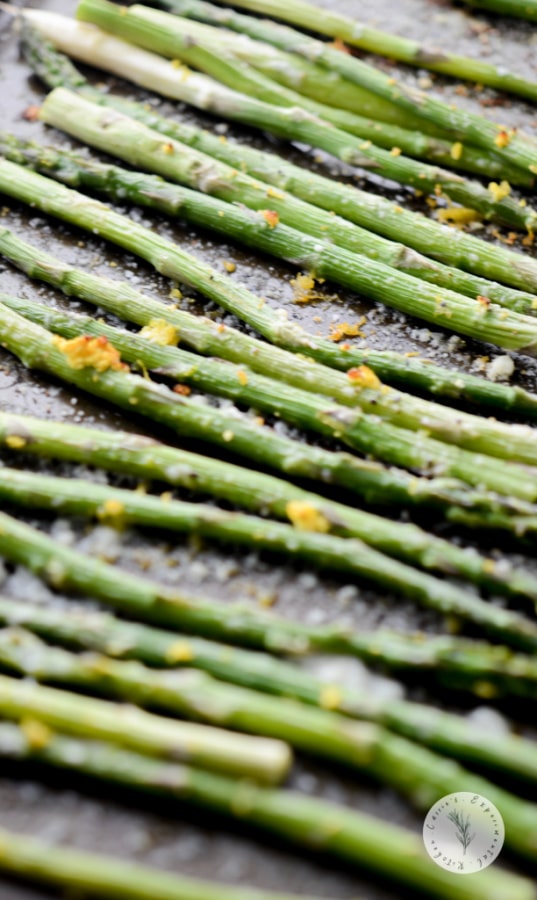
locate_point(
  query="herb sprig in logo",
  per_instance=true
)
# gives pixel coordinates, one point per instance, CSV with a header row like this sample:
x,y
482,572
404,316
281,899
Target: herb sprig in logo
x,y
463,833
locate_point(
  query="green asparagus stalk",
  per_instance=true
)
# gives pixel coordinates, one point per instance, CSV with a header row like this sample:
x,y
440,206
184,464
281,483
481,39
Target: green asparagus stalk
x,y
231,185
516,443
251,41
265,760
69,569
496,324
159,32
135,143
292,123
287,69
356,34
317,824
470,431
207,338
468,665
490,322
74,496
520,9
475,128
320,732
143,458
40,349
375,213
308,75
103,876
310,79
295,405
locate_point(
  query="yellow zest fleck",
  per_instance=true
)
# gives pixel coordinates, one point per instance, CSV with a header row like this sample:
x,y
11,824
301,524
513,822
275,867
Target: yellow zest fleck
x,y
243,377
411,353
338,44
459,216
178,652
364,377
365,145
338,331
395,151
167,147
398,209
228,435
276,195
304,288
259,420
86,351
499,191
175,294
111,511
15,442
528,240
330,697
533,169
160,332
36,733
229,266
221,213
271,217
183,70
182,389
31,113
483,301
222,138
522,203
503,138
166,497
456,150
305,517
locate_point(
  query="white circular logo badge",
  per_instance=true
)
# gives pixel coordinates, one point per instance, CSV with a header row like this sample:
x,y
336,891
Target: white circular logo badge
x,y
463,833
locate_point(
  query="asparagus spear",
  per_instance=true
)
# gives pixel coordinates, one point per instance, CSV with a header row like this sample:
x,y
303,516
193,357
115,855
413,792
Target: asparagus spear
x,y
475,128
160,33
69,569
103,876
299,407
40,349
375,213
293,123
228,343
79,171
251,42
74,496
321,732
520,9
470,431
288,69
265,760
356,34
468,665
143,458
317,824
488,321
